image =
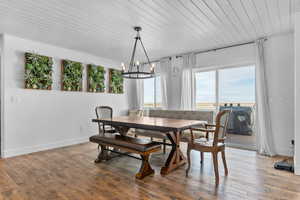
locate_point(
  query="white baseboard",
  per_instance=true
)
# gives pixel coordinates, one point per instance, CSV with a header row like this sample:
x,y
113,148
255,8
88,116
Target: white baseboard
x,y
279,151
31,149
241,146
284,151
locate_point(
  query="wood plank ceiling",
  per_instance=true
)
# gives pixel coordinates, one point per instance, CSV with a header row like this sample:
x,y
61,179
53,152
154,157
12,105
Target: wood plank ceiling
x,y
104,27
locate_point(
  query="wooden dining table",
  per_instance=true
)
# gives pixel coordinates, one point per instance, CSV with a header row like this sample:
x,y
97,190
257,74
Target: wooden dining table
x,y
171,127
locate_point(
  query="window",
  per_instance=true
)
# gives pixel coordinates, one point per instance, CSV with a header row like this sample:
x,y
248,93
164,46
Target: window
x,y
225,86
158,100
152,92
237,86
205,90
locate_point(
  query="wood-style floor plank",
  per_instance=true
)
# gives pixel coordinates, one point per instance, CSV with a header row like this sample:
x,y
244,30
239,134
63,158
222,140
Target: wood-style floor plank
x,y
70,174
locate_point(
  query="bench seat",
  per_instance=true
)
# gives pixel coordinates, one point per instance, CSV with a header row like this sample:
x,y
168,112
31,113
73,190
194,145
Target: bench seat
x,y
137,144
143,147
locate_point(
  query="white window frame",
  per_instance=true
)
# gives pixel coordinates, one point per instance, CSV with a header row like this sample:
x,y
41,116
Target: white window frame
x,y
217,69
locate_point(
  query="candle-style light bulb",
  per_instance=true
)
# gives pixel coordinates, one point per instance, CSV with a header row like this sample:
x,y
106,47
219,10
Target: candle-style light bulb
x,y
123,66
152,67
137,63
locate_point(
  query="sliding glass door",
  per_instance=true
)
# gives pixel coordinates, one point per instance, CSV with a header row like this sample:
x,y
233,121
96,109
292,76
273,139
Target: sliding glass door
x,y
230,88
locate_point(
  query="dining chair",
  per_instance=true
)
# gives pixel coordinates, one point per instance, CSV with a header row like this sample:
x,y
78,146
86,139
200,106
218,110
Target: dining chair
x,y
214,144
104,112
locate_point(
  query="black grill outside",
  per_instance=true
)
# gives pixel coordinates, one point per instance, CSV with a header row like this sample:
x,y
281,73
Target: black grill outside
x,y
240,121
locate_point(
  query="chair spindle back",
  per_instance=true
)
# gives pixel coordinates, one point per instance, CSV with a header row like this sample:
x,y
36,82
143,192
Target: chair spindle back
x,y
103,112
221,126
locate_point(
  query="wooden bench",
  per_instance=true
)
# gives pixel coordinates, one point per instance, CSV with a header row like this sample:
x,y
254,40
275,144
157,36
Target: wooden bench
x,y
142,147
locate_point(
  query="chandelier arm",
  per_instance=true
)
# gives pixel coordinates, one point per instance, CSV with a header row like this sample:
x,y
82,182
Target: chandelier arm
x,y
145,51
133,54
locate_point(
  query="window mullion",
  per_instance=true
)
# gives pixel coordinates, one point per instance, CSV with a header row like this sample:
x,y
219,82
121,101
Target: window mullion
x,y
217,90
155,92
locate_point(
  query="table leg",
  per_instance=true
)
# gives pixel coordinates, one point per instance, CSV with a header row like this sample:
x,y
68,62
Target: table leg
x,y
176,157
145,169
103,154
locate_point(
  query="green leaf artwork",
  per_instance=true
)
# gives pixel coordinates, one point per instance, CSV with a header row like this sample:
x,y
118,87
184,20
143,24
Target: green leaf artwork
x,y
71,75
96,78
38,71
115,81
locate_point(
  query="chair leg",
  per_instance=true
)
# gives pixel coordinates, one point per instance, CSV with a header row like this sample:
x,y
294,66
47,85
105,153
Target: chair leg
x,y
215,160
189,161
224,163
164,147
145,169
202,157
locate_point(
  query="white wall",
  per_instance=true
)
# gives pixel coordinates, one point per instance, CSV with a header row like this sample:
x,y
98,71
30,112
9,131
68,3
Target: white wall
x,y
1,92
297,92
227,57
36,120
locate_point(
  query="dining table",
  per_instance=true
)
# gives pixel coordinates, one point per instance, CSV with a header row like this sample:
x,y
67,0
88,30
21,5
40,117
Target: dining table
x,y
173,129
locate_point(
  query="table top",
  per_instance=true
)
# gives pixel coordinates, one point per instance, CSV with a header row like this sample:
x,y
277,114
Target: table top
x,y
152,123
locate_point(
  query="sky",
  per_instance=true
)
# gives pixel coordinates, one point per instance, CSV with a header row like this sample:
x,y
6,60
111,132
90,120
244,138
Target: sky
x,y
235,85
149,90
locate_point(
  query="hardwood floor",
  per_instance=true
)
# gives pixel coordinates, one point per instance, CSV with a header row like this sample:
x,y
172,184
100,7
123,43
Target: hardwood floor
x,y
70,174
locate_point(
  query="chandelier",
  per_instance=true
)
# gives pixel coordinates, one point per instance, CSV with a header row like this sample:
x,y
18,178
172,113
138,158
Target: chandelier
x,y
135,69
